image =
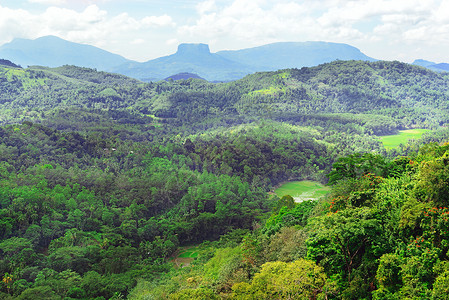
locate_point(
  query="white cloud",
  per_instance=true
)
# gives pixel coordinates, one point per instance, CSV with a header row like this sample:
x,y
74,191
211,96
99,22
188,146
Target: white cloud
x,y
48,2
385,29
206,6
138,42
92,26
172,42
158,21
368,23
243,20
441,12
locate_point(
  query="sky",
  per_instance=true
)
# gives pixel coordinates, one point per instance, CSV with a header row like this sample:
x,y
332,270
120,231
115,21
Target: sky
x,y
141,30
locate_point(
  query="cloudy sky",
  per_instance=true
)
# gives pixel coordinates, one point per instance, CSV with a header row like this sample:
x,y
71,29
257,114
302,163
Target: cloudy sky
x,y
145,29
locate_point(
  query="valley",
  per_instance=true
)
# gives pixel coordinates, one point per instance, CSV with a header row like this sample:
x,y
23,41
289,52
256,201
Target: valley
x,y
393,141
302,190
222,66
114,188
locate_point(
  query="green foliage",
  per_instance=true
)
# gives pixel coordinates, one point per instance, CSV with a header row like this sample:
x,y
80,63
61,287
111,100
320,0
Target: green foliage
x,y
434,180
394,95
355,192
194,294
107,177
223,268
286,201
356,165
388,272
302,190
289,244
40,292
287,216
411,214
106,211
301,279
392,141
267,151
441,287
341,240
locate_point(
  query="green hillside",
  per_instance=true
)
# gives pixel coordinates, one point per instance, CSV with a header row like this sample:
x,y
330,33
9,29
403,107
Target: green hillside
x,y
109,185
381,97
393,141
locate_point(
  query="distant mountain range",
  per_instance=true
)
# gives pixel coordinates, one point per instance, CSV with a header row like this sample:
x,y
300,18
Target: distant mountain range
x,y
197,59
183,76
190,58
51,51
294,55
437,67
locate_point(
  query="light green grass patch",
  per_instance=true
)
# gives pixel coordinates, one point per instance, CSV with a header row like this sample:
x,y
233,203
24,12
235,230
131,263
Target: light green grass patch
x,y
394,140
283,75
270,91
20,75
189,252
302,190
185,256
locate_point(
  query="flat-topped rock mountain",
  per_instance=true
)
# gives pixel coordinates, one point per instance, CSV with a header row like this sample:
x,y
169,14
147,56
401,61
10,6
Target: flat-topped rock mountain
x,y
51,51
193,50
231,65
190,58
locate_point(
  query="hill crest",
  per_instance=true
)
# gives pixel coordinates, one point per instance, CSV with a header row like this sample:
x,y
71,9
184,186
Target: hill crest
x,y
52,51
197,58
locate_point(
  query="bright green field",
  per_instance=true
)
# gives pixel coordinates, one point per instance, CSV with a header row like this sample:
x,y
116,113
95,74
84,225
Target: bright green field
x,y
185,256
302,190
191,252
392,141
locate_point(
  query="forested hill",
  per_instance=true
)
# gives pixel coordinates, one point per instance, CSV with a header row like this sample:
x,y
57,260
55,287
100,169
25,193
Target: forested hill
x,y
7,63
382,96
52,51
105,180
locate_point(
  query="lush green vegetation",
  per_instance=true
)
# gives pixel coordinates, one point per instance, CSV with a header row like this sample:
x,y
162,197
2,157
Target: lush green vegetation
x,y
302,190
362,97
381,234
104,182
394,140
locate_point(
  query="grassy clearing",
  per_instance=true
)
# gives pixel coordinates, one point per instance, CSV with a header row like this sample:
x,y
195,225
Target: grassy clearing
x,y
269,91
189,252
302,190
185,256
393,141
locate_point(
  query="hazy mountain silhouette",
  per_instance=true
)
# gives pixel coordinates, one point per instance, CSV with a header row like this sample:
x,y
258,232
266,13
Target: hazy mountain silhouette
x,y
440,67
182,76
52,51
294,55
197,59
190,58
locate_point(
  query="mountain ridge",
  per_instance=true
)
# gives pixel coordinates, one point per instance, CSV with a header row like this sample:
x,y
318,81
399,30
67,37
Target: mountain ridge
x,y
437,67
355,87
52,51
224,65
189,58
294,54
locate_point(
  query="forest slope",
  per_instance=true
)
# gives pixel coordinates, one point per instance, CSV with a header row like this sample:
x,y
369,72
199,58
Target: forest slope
x,y
51,51
107,177
381,96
